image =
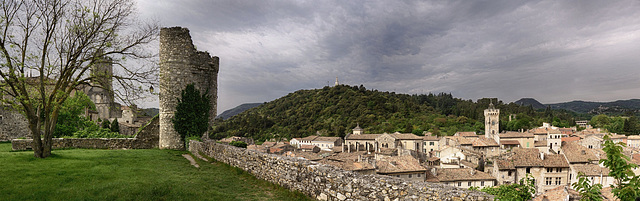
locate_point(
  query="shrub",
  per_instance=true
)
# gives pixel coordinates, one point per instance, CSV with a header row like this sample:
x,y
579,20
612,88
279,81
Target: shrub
x,y
240,144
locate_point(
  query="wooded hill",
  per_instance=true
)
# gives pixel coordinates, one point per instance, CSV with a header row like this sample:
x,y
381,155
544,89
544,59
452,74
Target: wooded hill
x,y
334,111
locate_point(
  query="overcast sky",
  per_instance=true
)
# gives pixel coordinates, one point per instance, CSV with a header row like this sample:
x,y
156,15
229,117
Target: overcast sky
x,y
553,51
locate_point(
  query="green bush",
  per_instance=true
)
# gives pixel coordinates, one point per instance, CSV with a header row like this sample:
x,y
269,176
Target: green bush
x,y
240,144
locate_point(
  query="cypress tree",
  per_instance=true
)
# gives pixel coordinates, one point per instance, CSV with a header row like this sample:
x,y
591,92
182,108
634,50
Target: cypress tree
x,y
192,113
115,127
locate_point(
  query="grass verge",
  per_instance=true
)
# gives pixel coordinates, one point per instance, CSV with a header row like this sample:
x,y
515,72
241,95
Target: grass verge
x,y
145,174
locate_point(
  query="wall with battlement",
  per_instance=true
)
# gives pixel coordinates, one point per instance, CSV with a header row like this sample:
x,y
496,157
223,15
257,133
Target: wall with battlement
x,y
181,64
147,138
326,182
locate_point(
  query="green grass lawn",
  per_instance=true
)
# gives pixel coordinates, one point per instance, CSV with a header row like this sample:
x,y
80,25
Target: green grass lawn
x,y
148,174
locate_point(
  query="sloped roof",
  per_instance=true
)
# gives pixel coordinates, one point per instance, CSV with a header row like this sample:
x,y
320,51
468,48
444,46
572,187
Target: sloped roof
x,y
485,142
348,164
398,164
309,138
540,143
467,134
591,169
430,138
362,137
577,153
461,140
505,165
570,139
555,160
510,142
526,157
406,136
558,193
326,139
516,135
633,137
461,174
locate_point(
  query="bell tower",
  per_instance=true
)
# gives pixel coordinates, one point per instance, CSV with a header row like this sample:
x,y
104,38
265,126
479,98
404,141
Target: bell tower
x,y
492,123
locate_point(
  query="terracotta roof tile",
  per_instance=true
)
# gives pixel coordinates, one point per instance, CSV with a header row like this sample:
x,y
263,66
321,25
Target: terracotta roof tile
x,y
577,153
398,164
362,137
509,142
516,135
406,136
484,142
466,134
591,169
309,138
430,138
555,160
326,139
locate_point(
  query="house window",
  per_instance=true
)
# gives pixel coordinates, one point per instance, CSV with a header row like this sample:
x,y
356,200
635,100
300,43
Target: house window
x,y
459,183
590,146
469,184
558,180
482,183
430,143
547,180
410,175
558,169
419,175
528,170
549,169
509,173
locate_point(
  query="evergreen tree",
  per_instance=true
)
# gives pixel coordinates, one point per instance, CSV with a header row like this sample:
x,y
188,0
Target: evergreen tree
x,y
192,113
115,127
105,124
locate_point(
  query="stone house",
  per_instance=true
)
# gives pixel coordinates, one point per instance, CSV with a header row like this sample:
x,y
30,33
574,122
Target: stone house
x,y
548,170
430,143
525,139
295,142
358,141
487,146
325,143
461,177
554,140
592,141
397,140
404,167
594,172
633,141
466,134
618,138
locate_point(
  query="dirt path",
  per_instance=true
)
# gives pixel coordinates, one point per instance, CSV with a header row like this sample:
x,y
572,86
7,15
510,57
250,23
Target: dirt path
x,y
193,162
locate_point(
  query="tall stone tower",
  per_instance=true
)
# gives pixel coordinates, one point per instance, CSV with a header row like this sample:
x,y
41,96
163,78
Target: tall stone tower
x,y
492,123
181,64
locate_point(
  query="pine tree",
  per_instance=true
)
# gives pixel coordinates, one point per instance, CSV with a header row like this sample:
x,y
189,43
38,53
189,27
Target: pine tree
x,y
192,113
115,127
105,124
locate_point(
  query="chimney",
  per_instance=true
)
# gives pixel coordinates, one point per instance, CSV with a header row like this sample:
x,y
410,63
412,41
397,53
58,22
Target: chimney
x,y
542,155
584,152
472,171
434,172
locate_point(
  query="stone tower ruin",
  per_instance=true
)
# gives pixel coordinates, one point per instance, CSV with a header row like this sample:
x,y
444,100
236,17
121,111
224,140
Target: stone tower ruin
x,y
181,64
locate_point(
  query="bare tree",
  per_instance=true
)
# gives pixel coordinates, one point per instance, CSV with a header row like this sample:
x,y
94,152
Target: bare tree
x,y
48,47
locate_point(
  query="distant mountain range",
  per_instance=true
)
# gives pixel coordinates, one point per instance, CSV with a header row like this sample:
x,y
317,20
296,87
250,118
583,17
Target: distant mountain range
x,y
615,107
237,110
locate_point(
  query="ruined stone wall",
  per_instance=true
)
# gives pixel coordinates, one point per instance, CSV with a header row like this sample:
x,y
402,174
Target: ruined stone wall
x,y
326,182
181,64
13,124
147,138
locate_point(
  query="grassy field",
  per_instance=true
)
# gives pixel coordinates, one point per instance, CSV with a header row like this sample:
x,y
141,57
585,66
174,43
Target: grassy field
x,y
152,174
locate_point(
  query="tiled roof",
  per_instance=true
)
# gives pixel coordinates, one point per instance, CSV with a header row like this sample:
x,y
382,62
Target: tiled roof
x,y
505,165
326,139
466,134
348,164
362,137
307,146
614,136
570,139
591,169
558,193
430,138
484,142
555,160
516,135
633,137
269,144
461,140
635,159
577,153
509,142
406,136
460,174
398,164
309,138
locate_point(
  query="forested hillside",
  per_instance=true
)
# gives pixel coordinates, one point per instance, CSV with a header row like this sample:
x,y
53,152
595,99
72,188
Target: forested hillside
x,y
334,111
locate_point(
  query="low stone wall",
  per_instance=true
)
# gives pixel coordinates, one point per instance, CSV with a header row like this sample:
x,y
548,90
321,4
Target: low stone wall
x,y
147,138
326,182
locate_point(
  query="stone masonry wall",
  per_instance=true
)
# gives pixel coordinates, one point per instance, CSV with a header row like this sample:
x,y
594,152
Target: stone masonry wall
x,y
147,138
326,182
13,124
181,64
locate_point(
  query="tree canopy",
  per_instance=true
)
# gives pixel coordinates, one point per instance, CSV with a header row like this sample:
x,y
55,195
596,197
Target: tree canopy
x,y
48,48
